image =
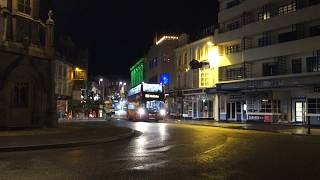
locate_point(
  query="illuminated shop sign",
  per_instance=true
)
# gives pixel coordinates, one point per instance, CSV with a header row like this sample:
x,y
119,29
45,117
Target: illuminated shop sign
x,y
152,88
165,79
134,90
154,96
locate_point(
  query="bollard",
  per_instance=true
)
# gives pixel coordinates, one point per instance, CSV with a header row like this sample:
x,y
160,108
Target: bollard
x,y
309,126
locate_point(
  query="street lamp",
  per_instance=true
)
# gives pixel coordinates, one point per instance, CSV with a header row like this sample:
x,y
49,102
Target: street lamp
x,y
125,84
100,80
120,83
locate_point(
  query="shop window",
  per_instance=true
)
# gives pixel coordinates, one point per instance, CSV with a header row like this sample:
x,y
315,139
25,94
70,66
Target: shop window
x,y
270,106
258,105
24,6
314,106
296,66
238,104
21,95
292,7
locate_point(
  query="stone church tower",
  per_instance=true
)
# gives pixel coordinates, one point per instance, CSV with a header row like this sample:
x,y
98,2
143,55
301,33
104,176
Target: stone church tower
x,y
26,66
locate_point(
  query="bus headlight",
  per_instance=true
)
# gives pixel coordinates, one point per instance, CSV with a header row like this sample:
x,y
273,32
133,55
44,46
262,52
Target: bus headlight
x,y
162,112
141,111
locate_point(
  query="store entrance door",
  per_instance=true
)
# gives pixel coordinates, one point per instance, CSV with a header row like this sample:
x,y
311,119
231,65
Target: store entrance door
x,y
231,111
299,111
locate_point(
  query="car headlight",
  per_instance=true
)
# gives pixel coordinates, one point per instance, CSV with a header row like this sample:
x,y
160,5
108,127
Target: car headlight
x,y
141,111
162,112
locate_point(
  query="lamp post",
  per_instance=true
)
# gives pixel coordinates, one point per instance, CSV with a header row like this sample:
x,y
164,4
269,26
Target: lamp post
x,y
101,89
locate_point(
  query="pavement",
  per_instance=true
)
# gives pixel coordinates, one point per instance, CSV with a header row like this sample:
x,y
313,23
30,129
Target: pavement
x,y
169,151
69,134
277,128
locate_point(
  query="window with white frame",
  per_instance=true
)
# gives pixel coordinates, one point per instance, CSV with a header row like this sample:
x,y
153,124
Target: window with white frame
x,y
258,105
204,78
314,106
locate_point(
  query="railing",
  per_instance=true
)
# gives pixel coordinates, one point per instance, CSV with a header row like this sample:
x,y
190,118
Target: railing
x,y
21,28
252,17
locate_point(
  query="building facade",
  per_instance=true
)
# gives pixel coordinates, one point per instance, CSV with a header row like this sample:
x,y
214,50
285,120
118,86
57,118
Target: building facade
x,y
70,82
159,63
26,66
194,95
274,54
137,73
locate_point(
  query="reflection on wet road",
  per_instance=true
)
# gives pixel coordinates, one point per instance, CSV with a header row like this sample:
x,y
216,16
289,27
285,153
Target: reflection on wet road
x,y
168,151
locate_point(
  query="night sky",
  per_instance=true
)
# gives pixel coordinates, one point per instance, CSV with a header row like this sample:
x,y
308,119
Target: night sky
x,y
119,32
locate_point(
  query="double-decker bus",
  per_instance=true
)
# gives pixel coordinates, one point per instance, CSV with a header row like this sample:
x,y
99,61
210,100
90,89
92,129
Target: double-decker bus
x,y
146,102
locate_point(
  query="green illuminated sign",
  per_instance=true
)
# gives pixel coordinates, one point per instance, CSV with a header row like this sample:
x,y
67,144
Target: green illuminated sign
x,y
137,73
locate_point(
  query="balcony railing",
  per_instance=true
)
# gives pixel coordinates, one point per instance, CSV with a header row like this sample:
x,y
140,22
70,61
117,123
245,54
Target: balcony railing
x,y
21,28
256,16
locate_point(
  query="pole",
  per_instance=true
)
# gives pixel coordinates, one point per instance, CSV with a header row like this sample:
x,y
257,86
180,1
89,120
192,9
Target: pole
x,y
309,126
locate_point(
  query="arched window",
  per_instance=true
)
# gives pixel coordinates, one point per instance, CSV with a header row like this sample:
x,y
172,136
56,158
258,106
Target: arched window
x,y
198,54
205,51
185,58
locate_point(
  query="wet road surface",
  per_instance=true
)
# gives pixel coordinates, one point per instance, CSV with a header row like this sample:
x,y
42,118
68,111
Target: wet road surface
x,y
171,151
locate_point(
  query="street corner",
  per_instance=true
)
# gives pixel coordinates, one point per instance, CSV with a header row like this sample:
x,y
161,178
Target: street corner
x,y
67,136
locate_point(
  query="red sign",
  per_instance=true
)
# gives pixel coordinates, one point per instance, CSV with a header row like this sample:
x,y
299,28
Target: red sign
x,y
268,119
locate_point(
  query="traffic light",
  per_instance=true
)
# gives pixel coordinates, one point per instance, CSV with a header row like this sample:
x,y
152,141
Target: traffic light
x,y
195,64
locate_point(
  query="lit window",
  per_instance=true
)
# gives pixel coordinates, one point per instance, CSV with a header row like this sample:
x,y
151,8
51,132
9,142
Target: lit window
x,y
287,8
233,49
264,16
198,54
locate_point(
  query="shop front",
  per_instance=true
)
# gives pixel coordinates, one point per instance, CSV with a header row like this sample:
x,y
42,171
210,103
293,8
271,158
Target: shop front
x,y
191,104
231,107
266,106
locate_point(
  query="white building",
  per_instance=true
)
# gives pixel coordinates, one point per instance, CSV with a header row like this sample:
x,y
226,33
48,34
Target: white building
x,y
273,50
195,95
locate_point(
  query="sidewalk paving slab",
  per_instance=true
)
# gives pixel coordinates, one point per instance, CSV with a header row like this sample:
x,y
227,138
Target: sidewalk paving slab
x,y
67,135
278,128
